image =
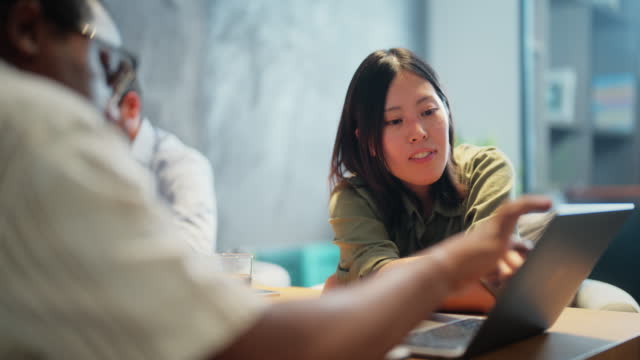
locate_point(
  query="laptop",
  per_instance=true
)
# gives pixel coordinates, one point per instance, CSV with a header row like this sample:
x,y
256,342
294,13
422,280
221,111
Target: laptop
x,y
534,297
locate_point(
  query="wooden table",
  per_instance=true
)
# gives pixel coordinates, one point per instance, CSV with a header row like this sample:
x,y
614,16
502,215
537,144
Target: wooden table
x,y
580,334
577,334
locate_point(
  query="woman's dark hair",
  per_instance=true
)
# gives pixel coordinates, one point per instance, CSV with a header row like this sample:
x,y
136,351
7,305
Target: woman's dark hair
x,y
364,110
67,15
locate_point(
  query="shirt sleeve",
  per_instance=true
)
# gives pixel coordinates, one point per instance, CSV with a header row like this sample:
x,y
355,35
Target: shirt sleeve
x,y
185,179
489,178
93,271
360,234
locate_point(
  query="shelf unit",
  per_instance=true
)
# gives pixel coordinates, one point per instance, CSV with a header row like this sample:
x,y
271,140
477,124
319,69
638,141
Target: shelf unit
x,y
593,42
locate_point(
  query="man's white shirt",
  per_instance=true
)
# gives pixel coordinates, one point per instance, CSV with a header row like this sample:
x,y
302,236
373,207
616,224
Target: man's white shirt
x,y
91,264
184,180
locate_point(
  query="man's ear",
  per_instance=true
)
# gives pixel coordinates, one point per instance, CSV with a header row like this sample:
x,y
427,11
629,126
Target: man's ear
x,y
24,25
131,105
130,114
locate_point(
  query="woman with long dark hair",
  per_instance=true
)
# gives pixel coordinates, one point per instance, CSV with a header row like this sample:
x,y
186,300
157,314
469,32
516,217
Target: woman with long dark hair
x,y
398,183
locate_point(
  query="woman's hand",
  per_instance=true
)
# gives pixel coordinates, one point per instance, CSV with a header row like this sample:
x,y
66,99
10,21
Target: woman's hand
x,y
331,283
508,264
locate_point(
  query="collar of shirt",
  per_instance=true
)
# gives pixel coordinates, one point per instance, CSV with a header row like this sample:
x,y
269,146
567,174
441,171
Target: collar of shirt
x,y
410,208
417,224
438,207
144,143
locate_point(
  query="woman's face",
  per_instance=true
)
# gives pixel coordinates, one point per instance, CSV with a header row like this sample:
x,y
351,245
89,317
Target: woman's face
x,y
415,136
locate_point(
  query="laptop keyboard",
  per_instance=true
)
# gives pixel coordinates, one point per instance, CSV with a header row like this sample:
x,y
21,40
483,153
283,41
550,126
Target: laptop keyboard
x,y
451,336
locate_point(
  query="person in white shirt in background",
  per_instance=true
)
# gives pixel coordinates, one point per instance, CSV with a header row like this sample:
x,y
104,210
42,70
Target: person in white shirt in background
x,y
184,180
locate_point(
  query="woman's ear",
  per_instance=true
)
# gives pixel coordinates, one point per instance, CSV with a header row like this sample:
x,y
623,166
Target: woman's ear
x,y
372,151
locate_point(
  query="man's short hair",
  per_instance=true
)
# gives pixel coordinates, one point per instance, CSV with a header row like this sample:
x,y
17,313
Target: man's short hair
x,y
67,15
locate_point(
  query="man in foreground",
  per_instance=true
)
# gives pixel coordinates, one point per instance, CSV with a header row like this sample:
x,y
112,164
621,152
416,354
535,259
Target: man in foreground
x,y
89,266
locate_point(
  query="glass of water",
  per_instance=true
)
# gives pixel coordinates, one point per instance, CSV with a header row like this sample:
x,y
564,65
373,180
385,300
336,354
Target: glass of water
x,y
237,265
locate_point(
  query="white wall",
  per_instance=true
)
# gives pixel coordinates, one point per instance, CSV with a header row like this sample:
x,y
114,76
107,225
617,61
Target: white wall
x,y
258,87
280,71
474,47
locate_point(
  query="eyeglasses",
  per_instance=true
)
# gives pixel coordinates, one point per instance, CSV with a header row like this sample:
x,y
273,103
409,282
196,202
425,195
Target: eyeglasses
x,y
119,64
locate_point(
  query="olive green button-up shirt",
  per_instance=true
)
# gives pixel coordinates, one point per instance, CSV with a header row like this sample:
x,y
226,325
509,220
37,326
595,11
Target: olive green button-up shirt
x,y
366,244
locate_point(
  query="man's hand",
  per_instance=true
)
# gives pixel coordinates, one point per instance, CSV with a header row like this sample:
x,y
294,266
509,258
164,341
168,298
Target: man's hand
x,y
476,253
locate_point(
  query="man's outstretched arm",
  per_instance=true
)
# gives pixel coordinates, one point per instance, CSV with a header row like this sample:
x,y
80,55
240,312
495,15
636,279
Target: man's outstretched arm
x,y
367,319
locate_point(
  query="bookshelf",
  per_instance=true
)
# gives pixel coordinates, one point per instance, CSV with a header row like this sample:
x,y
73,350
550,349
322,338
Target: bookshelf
x,y
599,43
